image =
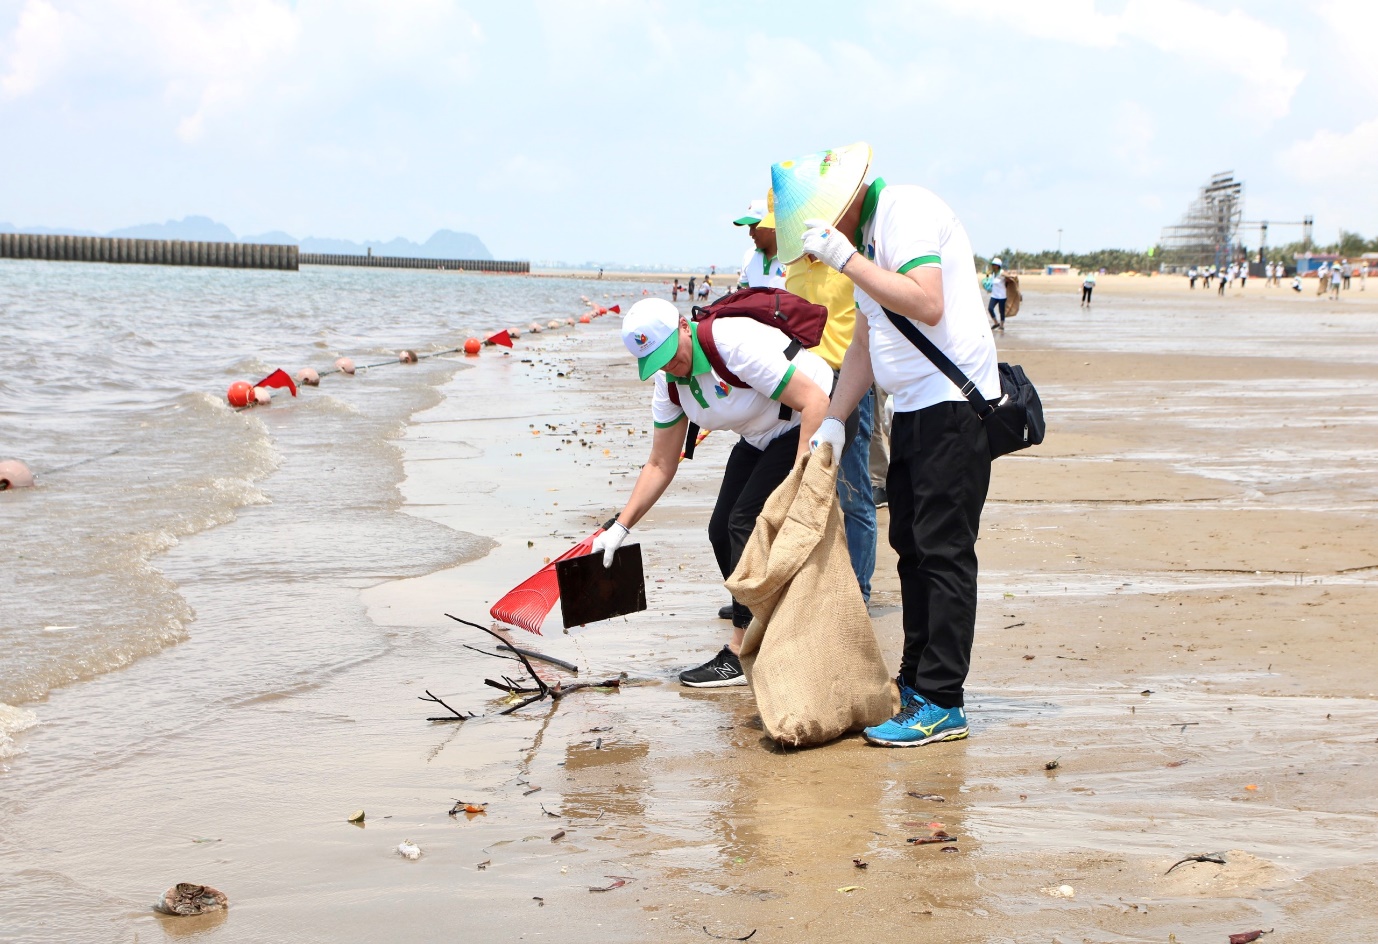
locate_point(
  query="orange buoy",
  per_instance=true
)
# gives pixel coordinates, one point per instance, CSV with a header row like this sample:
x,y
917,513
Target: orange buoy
x,y
406,357
263,396
584,318
471,346
344,365
14,474
602,310
307,377
240,393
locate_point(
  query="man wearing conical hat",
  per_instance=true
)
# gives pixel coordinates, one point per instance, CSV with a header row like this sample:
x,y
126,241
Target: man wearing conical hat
x,y
908,255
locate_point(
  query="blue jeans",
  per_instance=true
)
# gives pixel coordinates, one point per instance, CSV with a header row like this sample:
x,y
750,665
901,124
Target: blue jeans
x,y
858,505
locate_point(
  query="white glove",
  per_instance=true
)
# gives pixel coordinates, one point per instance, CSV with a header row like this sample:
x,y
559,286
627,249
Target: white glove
x,y
825,242
830,431
609,541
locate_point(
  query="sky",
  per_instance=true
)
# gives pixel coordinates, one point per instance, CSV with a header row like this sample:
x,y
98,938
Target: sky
x,y
634,131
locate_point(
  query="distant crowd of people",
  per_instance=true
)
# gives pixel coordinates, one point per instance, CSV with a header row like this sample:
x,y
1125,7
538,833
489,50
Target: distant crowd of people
x,y
1334,277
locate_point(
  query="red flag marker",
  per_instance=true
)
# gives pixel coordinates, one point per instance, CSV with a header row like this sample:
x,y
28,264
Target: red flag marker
x,y
502,338
278,378
616,309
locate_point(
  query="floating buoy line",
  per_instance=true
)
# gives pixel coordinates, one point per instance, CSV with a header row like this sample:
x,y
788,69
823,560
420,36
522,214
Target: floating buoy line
x,y
243,395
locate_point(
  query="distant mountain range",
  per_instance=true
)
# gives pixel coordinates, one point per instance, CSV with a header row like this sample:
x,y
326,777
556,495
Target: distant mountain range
x,y
444,244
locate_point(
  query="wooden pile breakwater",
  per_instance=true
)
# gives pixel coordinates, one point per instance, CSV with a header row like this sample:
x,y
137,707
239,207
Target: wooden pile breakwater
x,y
175,252
411,262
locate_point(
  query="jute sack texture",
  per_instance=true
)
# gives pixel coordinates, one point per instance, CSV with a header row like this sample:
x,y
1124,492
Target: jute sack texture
x,y
810,652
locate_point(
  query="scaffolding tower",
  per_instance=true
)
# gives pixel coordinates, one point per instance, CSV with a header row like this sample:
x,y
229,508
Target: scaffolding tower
x,y
1207,233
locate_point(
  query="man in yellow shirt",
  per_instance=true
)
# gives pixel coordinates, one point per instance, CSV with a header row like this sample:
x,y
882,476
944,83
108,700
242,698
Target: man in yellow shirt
x,y
821,284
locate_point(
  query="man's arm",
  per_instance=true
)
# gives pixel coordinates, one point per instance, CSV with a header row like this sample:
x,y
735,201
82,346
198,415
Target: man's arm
x,y
802,394
656,474
917,294
856,376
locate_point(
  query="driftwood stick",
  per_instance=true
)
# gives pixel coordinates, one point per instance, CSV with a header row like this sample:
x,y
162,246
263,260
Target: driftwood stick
x,y
485,652
531,671
563,690
436,699
542,657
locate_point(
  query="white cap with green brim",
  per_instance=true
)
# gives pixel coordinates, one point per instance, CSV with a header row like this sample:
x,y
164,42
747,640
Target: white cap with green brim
x,y
755,212
817,186
650,330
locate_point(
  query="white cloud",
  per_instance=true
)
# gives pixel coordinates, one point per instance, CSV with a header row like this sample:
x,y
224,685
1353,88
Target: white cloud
x,y
38,48
1234,42
1332,157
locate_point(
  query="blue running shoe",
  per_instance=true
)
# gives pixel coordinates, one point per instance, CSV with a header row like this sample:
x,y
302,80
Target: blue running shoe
x,y
919,722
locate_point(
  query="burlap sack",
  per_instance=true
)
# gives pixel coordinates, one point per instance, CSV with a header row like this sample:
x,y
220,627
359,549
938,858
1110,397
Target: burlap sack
x,y
809,653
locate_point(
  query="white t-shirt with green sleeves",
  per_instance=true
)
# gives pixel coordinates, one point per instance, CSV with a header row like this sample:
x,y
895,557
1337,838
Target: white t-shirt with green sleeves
x,y
756,354
904,227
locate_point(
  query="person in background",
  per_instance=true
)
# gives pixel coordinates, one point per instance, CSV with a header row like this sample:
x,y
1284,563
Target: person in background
x,y
1207,274
998,294
1243,273
690,290
1192,275
667,348
1323,278
816,281
760,268
1296,282
916,261
1221,278
1345,272
675,290
1336,279
1363,275
1088,285
1268,274
705,288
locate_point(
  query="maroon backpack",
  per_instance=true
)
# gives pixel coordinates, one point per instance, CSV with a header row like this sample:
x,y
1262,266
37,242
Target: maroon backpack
x,y
801,321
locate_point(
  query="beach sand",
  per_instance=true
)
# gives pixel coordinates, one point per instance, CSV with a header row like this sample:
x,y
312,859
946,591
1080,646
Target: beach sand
x,y
1177,594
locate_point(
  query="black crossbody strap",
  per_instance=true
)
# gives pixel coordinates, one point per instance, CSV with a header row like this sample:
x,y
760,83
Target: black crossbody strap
x,y
941,361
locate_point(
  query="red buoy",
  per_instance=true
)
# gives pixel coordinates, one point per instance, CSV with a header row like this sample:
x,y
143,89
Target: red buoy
x,y
471,346
14,474
240,393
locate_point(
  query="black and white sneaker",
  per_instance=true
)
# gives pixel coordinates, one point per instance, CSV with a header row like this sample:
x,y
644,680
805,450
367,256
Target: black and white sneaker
x,y
723,670
879,496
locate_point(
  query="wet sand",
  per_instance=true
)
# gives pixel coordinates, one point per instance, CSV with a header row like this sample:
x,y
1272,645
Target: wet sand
x,y
1176,600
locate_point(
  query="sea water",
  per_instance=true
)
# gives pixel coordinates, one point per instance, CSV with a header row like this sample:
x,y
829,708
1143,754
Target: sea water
x,y
112,390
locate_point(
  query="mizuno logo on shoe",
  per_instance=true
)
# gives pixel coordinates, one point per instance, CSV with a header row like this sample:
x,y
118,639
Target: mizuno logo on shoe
x,y
928,729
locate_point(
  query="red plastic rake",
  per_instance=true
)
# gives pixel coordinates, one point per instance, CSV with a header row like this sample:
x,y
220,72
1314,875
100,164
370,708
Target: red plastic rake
x,y
530,602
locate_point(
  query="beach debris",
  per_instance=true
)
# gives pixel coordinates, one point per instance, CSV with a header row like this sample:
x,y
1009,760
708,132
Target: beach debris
x,y
454,715
541,656
1176,763
14,474
1029,658
527,793
548,813
408,850
617,882
1247,937
471,809
723,937
356,817
1053,764
558,836
1251,787
938,837
949,849
483,866
1217,858
1146,692
187,898
201,841
1059,891
930,797
848,889
859,864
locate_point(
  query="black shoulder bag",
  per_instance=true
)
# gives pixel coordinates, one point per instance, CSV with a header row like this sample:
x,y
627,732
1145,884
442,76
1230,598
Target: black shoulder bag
x,y
1013,422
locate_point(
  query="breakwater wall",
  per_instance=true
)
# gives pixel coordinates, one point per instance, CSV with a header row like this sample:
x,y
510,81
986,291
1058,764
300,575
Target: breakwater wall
x,y
409,262
175,252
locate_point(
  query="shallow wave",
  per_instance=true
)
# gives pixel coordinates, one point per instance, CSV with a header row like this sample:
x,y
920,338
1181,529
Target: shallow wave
x,y
12,721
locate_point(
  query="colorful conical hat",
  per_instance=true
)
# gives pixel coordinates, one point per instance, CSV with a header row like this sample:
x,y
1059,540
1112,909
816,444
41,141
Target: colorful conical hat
x,y
815,187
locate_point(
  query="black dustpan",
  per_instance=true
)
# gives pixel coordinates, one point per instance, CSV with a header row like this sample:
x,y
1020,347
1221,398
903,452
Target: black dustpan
x,y
590,592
